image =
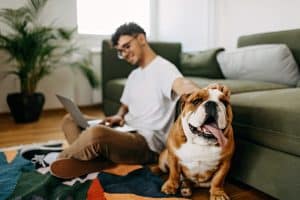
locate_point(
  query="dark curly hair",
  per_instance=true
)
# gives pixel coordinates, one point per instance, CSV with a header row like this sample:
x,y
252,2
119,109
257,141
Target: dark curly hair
x,y
130,28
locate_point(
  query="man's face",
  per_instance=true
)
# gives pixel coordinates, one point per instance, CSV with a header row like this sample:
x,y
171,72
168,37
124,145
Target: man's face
x,y
129,49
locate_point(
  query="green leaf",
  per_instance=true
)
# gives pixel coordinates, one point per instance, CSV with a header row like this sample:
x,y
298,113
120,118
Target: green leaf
x,y
35,50
84,66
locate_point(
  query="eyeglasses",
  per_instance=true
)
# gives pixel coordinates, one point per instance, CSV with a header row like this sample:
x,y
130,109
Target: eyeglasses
x,y
125,47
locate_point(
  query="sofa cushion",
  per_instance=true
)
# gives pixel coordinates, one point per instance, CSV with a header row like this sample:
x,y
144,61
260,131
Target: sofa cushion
x,y
201,63
113,88
270,118
273,63
288,37
239,86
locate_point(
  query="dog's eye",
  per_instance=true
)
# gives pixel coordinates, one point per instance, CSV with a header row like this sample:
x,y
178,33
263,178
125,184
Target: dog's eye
x,y
196,101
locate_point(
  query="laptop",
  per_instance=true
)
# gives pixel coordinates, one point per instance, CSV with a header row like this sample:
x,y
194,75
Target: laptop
x,y
78,117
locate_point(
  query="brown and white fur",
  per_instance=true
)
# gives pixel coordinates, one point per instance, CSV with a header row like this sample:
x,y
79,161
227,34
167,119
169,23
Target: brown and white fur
x,y
194,156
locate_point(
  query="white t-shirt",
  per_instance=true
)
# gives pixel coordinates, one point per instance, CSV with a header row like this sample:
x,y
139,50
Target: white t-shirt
x,y
151,102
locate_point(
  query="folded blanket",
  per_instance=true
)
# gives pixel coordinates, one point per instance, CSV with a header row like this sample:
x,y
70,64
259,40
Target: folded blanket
x,y
10,173
140,182
33,185
20,180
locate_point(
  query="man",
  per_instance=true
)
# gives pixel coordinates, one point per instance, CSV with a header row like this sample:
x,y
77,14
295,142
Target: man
x,y
147,104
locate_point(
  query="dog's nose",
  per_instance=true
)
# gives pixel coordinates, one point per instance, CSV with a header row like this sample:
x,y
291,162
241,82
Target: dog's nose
x,y
211,109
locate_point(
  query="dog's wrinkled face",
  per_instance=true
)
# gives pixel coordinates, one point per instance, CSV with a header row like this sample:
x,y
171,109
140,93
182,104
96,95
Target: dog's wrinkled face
x,y
205,116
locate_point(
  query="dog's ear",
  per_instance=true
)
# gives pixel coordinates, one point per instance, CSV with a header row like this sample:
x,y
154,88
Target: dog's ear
x,y
226,91
183,100
180,103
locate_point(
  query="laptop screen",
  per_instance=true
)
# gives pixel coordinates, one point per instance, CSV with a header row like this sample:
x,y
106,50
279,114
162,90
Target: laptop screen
x,y
74,111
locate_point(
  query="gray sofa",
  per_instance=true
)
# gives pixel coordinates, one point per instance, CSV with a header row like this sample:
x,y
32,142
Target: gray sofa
x,y
266,115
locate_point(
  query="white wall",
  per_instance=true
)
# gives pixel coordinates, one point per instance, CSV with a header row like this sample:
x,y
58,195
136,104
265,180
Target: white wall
x,y
186,21
240,17
171,21
198,24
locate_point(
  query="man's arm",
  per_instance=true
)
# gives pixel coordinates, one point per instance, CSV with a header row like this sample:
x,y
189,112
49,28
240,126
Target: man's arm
x,y
184,86
122,110
118,118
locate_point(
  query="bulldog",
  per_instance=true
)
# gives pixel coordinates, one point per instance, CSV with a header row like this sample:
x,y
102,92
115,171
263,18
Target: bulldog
x,y
200,144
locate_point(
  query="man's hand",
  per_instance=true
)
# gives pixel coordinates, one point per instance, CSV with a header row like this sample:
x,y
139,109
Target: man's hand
x,y
117,119
184,86
223,88
114,120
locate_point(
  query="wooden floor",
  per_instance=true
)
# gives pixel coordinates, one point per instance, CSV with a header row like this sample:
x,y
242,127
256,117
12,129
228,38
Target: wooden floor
x,y
48,128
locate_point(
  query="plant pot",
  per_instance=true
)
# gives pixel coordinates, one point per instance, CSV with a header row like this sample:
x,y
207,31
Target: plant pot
x,y
25,108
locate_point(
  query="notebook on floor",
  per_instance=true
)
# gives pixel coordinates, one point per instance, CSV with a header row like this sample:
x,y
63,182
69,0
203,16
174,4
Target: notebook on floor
x,y
78,117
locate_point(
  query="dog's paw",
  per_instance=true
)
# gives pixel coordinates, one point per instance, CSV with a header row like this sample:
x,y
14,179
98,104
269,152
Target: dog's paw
x,y
170,187
186,192
219,195
185,188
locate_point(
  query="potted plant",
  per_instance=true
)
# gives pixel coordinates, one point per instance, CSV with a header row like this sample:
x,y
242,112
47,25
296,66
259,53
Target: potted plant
x,y
35,51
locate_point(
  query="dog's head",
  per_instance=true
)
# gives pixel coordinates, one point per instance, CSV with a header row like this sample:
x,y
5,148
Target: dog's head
x,y
206,116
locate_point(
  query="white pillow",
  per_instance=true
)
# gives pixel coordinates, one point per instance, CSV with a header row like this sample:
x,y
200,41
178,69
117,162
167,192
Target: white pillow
x,y
271,63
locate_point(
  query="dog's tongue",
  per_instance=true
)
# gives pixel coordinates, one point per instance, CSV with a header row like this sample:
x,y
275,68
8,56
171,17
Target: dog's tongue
x,y
212,128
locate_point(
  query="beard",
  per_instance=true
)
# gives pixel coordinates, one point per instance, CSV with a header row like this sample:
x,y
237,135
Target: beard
x,y
133,60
